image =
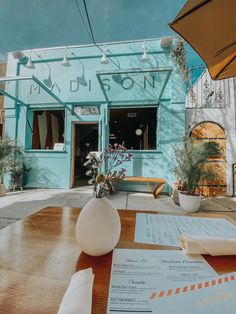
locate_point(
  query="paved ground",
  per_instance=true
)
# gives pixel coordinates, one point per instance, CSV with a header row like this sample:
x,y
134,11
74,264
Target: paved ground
x,y
19,204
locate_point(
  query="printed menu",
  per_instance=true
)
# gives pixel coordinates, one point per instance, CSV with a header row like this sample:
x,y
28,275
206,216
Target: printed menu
x,y
135,274
167,229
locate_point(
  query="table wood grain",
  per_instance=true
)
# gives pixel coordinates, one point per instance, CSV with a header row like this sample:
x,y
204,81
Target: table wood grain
x,y
39,254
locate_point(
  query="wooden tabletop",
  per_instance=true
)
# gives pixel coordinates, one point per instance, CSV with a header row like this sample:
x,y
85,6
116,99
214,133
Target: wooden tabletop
x,y
39,254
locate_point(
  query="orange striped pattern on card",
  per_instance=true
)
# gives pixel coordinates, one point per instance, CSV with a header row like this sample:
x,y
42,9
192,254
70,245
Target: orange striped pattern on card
x,y
177,291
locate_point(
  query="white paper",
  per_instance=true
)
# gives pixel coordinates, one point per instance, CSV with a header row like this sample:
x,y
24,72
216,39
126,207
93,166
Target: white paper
x,y
137,273
58,146
167,229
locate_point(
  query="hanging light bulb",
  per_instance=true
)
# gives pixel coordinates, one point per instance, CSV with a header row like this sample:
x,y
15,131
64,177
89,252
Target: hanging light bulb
x,y
65,61
29,63
104,59
138,132
145,56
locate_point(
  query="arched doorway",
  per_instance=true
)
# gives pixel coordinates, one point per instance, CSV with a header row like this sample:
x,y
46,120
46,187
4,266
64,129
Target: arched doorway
x,y
211,131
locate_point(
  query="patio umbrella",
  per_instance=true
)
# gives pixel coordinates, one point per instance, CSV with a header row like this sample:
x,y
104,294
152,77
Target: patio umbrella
x,y
209,26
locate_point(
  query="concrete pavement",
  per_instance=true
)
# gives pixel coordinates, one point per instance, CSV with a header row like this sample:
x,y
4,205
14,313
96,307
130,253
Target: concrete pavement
x,y
19,204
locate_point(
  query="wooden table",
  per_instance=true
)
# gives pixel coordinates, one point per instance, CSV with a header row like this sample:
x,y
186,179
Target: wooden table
x,y
39,254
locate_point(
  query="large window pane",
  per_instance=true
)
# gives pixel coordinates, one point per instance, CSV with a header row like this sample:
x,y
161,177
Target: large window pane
x,y
48,129
135,127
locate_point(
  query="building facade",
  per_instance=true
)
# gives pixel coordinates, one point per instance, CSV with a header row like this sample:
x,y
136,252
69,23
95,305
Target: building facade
x,y
64,102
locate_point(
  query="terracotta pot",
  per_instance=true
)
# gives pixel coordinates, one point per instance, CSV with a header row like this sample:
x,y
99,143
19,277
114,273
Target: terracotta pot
x,y
98,227
2,190
189,203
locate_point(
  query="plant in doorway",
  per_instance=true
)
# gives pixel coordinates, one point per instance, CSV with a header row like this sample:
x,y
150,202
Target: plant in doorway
x,y
191,170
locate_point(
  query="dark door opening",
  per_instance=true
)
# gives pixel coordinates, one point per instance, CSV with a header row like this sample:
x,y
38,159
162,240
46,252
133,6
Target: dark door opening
x,y
86,140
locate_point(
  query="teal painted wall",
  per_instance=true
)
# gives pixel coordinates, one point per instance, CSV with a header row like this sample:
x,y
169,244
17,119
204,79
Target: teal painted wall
x,y
78,84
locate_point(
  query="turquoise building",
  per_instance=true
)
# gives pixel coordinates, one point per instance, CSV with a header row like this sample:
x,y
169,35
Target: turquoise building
x,y
61,103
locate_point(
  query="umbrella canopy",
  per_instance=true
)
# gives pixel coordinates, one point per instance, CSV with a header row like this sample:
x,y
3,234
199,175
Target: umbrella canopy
x,y
209,26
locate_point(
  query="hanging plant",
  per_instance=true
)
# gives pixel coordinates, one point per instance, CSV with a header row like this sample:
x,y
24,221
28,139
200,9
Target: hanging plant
x,y
180,58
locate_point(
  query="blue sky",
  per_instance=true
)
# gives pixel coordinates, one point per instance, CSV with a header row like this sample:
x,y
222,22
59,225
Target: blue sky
x,y
27,24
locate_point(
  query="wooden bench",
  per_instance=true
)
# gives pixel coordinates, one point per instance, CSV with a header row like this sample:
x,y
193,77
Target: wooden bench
x,y
159,187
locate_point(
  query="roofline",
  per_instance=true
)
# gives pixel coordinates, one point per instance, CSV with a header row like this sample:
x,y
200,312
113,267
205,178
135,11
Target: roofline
x,y
199,78
93,45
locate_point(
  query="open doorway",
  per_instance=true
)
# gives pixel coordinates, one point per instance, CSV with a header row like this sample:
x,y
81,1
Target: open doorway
x,y
86,140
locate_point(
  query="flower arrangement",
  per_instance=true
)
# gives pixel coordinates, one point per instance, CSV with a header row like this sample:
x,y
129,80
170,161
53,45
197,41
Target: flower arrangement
x,y
111,159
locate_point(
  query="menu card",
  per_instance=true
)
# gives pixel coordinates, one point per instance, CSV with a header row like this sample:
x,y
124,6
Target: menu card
x,y
167,229
135,274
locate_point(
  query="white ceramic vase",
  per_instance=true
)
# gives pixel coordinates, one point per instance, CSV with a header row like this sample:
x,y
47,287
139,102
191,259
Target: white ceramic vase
x,y
189,203
98,227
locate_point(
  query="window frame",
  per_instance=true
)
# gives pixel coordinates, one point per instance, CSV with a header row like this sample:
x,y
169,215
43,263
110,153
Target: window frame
x,y
138,106
29,130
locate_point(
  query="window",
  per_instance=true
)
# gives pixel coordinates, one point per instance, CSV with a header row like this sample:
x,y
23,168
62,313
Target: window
x,y
48,129
135,127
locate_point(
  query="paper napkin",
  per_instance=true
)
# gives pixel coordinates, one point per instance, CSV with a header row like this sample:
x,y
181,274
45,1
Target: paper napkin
x,y
78,296
208,245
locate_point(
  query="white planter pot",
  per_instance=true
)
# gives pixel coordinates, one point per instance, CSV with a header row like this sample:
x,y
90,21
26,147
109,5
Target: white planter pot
x,y
98,227
189,203
2,190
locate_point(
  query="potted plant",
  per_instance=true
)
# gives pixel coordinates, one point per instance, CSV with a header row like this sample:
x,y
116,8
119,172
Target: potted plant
x,y
18,170
7,149
191,169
